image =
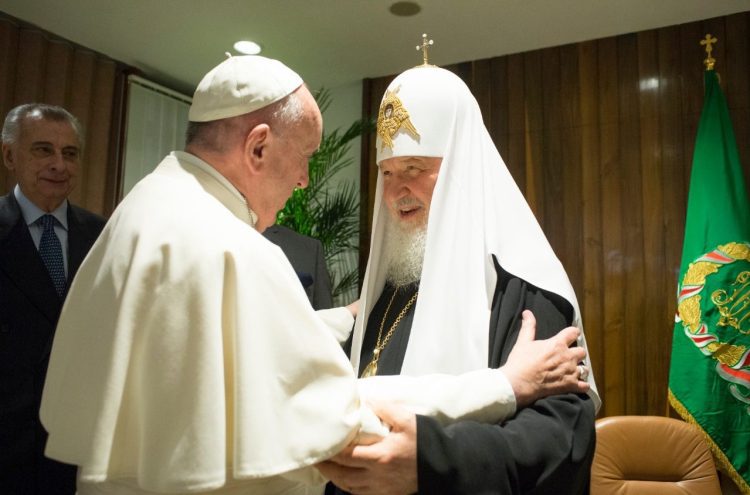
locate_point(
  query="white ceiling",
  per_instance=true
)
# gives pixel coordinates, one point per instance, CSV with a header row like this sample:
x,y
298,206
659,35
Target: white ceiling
x,y
337,42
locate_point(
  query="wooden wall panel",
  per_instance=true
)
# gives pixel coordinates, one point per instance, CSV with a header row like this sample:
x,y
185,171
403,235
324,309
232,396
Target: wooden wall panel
x,y
497,120
631,221
57,69
79,105
515,153
549,169
674,160
32,49
736,75
591,301
572,215
98,130
533,134
9,55
651,344
610,365
599,136
674,198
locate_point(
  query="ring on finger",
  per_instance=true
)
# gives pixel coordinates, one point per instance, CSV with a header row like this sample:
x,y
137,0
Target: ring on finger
x,y
583,372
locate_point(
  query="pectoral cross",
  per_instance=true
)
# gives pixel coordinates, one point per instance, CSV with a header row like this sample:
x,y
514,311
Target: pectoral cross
x,y
423,47
707,42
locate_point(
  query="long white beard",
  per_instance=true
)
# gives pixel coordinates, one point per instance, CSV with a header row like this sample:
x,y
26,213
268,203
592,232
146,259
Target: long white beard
x,y
403,251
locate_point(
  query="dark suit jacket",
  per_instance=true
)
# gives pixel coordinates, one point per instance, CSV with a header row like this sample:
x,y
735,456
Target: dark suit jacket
x,y
306,256
29,309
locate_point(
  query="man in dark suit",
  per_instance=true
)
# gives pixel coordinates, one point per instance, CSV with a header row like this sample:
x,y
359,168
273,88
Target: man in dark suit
x,y
308,260
43,239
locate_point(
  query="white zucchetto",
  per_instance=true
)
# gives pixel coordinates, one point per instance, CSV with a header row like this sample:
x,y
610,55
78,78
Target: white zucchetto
x,y
241,85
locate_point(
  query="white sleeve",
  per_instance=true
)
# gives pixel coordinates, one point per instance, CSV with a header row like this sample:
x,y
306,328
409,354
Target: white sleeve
x,y
339,320
483,395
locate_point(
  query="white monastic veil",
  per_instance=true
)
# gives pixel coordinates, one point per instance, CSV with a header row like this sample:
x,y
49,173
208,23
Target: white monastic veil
x,y
477,210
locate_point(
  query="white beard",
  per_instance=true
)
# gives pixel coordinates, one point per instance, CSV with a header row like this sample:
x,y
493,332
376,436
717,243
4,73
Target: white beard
x,y
403,251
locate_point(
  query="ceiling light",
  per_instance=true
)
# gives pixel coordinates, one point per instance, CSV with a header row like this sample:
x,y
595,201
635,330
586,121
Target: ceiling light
x,y
247,47
405,9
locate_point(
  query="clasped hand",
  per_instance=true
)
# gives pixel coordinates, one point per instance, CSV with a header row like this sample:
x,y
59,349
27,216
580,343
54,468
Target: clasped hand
x,y
535,369
388,466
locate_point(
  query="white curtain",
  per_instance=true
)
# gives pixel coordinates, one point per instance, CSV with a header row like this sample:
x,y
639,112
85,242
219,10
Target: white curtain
x,y
157,118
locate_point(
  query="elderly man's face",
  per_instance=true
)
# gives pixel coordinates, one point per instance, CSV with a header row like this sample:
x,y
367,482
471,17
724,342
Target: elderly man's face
x,y
408,183
45,160
293,150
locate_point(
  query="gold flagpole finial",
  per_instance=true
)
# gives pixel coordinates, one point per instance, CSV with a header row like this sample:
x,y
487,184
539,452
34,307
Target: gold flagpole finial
x,y
423,47
708,41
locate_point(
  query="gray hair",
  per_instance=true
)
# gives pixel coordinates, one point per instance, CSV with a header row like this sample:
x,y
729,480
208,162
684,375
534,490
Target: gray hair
x,y
218,135
38,111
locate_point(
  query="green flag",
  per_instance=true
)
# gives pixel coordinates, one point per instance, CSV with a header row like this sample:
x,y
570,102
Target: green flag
x,y
709,377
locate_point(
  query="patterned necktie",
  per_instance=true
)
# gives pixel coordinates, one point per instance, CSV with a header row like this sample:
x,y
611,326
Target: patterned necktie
x,y
50,250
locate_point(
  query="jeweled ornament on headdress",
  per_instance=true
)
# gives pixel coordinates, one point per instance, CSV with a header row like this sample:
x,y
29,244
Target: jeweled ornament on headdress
x,y
392,116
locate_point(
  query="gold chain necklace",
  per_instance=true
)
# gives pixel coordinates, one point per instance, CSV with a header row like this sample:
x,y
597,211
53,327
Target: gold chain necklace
x,y
372,368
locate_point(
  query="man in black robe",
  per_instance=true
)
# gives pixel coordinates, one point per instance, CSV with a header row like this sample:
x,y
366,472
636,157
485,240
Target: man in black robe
x,y
457,258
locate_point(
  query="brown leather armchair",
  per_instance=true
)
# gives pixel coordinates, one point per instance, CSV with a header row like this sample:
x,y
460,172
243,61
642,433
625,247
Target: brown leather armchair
x,y
645,455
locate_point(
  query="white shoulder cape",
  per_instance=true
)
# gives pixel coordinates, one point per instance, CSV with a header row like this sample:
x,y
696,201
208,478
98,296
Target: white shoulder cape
x,y
182,306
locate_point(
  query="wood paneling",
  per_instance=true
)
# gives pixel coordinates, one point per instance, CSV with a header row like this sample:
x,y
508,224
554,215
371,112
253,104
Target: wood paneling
x,y
599,136
38,67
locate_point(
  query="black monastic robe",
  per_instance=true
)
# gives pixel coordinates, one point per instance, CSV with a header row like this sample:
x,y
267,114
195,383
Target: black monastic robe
x,y
546,448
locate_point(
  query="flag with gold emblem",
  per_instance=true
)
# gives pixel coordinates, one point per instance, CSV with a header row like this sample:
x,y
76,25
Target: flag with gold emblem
x,y
709,378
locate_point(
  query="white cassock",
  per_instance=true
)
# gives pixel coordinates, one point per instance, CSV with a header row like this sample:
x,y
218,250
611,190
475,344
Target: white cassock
x,y
188,358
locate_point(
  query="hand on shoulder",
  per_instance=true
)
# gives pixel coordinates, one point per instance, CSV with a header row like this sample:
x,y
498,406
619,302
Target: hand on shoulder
x,y
538,368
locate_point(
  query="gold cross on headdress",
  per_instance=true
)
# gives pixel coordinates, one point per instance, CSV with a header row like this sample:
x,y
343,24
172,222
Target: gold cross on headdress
x,y
707,42
423,47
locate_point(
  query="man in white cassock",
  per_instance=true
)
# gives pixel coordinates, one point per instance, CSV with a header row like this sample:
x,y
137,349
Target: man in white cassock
x,y
188,358
457,258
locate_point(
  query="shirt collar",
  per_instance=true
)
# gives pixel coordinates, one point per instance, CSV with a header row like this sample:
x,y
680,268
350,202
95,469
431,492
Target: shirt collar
x,y
31,212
